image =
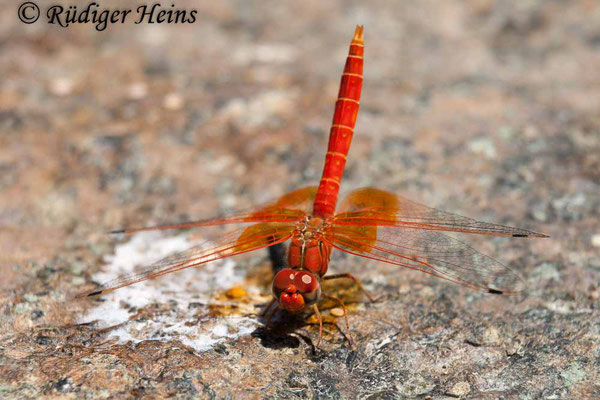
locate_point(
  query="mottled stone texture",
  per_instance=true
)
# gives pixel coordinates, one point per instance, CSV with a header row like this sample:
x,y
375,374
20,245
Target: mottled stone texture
x,y
485,108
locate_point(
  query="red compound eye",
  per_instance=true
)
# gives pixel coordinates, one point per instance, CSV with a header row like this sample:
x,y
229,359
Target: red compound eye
x,y
283,279
305,282
296,289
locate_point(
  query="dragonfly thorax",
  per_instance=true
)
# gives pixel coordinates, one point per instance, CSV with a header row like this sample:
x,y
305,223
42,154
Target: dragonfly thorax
x,y
310,227
307,249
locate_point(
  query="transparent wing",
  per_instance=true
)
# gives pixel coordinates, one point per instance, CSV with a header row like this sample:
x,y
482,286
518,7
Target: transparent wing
x,y
288,208
431,252
240,241
372,207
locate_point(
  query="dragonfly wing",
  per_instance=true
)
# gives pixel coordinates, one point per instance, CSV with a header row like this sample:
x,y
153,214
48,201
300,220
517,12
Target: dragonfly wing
x,y
300,199
240,241
368,206
427,251
288,208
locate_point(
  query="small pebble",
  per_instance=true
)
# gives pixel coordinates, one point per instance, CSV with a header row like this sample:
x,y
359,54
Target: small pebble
x,y
61,86
137,91
596,240
31,298
426,291
236,293
78,280
460,389
337,312
491,336
404,289
173,101
483,146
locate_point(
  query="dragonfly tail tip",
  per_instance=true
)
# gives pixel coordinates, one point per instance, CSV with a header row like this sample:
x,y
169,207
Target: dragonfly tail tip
x,y
495,291
358,34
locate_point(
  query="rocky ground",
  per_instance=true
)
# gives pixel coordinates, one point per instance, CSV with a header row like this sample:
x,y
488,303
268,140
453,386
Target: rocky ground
x,y
483,108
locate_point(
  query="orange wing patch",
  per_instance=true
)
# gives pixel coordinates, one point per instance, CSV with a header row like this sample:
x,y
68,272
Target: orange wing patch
x,y
262,235
374,206
299,198
364,208
357,238
293,204
370,198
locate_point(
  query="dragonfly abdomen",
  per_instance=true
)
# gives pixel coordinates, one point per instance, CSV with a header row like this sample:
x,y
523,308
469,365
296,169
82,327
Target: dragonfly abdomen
x,y
342,128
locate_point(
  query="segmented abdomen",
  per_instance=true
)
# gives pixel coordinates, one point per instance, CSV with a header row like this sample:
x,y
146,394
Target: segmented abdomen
x,y
342,128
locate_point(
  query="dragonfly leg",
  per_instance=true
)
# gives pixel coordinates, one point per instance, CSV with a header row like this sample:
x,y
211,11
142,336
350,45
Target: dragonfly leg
x,y
318,314
335,324
271,314
264,312
355,279
341,303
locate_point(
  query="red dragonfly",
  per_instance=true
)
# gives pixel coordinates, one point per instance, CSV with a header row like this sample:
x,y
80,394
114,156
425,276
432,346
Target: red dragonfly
x,y
369,222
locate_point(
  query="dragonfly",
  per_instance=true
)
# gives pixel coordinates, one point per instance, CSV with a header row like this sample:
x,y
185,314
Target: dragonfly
x,y
368,222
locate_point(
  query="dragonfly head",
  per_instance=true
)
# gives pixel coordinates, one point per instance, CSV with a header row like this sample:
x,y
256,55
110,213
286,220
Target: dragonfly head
x,y
296,289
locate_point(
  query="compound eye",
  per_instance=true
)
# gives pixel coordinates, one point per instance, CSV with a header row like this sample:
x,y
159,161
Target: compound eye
x,y
283,279
309,286
305,282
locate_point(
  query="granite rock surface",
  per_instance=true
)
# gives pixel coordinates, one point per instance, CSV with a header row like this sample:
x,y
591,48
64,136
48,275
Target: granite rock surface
x,y
484,108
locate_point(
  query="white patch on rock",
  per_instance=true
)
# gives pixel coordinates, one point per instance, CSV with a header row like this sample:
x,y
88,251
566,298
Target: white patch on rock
x,y
596,240
260,109
265,53
460,389
483,146
180,298
61,86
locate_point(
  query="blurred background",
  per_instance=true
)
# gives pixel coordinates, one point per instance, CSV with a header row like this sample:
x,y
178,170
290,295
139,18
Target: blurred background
x,y
485,108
